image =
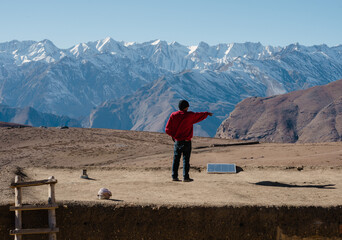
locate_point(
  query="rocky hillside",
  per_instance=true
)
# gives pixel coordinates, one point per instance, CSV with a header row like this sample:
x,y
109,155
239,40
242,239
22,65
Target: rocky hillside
x,y
30,116
311,115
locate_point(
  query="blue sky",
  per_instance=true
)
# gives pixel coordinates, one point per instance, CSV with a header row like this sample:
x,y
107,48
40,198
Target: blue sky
x,y
271,22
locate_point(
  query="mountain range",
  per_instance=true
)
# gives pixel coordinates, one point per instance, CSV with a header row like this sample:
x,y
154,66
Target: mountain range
x,y
136,86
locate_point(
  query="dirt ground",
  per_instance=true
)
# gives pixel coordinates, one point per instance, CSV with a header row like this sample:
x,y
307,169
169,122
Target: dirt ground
x,y
136,167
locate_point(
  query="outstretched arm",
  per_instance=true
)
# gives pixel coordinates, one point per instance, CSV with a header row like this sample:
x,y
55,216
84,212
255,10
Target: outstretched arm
x,y
200,116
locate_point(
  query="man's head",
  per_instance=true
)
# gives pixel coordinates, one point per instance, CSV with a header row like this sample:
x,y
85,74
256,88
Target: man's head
x,y
183,105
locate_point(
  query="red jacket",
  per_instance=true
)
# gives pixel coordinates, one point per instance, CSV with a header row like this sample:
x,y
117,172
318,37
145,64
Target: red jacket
x,y
180,124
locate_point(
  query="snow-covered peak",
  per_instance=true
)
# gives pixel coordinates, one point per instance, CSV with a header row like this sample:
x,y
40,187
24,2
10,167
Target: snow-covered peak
x,y
293,47
15,45
108,45
80,50
176,44
202,51
338,47
43,46
101,43
192,49
128,44
27,51
203,45
247,49
156,42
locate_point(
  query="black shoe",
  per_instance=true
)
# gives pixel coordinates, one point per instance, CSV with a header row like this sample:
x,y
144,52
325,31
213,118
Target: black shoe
x,y
188,180
175,179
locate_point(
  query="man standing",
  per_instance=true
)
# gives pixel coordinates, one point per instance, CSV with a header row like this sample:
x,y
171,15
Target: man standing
x,y
180,128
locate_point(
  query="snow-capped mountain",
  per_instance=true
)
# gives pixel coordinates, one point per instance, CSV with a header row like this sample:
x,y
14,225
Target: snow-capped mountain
x,y
76,80
72,81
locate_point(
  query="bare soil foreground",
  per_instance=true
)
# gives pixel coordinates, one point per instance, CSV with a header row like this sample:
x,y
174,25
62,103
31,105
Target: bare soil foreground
x,y
281,191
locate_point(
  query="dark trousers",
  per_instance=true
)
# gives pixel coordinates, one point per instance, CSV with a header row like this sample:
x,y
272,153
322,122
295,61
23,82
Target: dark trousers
x,y
181,147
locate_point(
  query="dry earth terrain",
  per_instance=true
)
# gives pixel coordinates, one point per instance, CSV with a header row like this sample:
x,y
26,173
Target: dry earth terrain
x,y
136,167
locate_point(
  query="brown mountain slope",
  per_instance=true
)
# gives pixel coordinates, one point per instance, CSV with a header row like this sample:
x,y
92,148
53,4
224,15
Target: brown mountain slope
x,y
311,115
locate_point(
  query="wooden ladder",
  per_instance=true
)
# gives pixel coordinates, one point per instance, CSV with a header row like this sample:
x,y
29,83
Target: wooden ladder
x,y
19,207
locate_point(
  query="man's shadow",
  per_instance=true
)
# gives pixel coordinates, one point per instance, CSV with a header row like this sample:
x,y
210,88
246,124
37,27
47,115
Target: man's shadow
x,y
278,184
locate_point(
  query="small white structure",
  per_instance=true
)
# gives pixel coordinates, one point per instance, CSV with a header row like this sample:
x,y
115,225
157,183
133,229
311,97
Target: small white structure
x,y
104,193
